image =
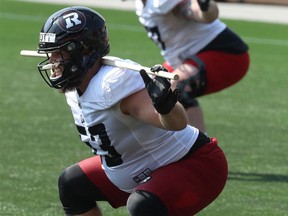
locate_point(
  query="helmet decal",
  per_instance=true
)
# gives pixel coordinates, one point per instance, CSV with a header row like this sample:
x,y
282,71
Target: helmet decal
x,y
72,21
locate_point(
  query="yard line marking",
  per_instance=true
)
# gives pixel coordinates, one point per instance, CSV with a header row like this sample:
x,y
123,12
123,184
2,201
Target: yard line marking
x,y
22,17
134,28
127,27
266,41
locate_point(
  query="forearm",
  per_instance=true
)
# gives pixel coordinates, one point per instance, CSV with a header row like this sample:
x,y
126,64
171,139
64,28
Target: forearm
x,y
171,113
190,9
208,16
176,119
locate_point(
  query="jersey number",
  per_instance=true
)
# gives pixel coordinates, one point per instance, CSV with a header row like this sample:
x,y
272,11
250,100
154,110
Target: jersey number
x,y
113,158
154,34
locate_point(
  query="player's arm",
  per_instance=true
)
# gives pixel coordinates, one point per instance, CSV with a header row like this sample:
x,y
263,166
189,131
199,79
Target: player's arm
x,y
156,105
204,11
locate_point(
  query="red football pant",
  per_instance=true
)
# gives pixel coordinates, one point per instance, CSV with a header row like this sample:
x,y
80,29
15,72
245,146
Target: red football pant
x,y
185,187
222,69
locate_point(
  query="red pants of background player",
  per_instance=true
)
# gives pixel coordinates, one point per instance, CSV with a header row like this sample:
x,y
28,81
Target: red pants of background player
x,y
185,187
222,69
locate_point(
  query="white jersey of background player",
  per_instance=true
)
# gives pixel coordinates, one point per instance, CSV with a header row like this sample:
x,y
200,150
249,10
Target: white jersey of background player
x,y
97,113
189,36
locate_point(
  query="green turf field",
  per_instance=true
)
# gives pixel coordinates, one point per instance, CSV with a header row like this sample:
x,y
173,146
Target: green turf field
x,y
38,138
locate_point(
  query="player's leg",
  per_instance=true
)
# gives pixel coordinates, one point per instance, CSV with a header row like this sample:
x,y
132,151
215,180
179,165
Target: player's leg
x,y
223,69
207,72
191,104
196,117
144,203
82,184
189,185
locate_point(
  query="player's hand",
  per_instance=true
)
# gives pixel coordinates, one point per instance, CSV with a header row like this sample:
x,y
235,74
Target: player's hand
x,y
159,90
203,4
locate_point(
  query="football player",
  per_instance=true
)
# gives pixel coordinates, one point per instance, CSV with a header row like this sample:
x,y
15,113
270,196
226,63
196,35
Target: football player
x,y
206,54
146,155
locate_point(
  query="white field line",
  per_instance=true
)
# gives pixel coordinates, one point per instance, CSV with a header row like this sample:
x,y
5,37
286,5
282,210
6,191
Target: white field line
x,y
265,41
250,12
133,28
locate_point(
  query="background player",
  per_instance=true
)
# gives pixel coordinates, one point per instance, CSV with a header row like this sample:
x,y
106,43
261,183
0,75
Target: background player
x,y
195,44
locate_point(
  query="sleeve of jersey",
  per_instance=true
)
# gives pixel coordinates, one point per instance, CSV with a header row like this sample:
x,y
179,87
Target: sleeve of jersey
x,y
120,83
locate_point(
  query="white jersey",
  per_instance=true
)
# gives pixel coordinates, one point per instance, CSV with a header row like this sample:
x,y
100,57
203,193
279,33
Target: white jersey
x,y
130,149
178,38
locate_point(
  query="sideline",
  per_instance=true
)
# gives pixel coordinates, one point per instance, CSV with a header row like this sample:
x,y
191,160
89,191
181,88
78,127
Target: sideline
x,y
237,11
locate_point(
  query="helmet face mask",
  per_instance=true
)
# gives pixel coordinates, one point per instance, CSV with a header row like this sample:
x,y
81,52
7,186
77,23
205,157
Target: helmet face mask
x,y
77,32
61,73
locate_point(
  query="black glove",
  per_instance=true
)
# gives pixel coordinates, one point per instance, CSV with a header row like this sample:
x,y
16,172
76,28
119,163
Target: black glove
x,y
159,91
203,4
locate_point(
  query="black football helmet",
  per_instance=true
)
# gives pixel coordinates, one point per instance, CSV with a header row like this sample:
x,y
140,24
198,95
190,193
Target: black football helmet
x,y
82,33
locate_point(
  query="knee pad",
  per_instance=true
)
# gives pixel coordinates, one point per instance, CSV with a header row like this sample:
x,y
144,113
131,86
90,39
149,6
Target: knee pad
x,y
65,183
77,194
196,83
143,203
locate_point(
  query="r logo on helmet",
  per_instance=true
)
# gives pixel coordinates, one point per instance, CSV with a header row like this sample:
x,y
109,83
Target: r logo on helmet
x,y
72,21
